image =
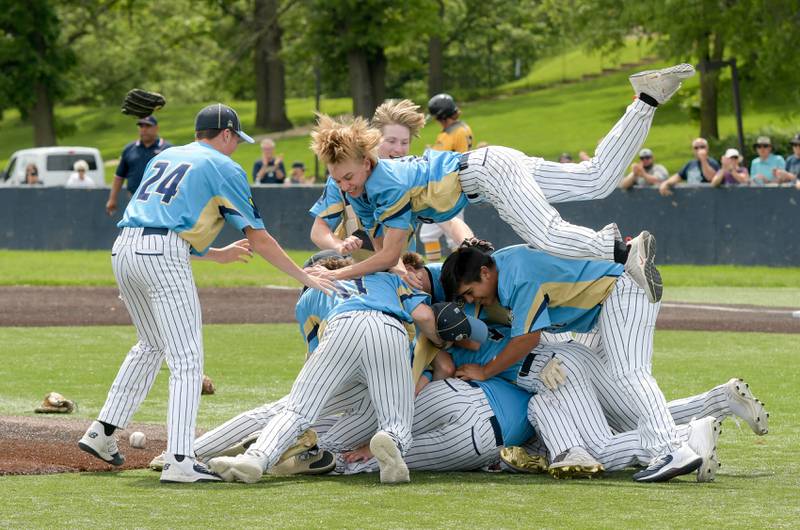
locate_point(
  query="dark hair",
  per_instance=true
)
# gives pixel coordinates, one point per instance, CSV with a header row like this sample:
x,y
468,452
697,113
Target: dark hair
x,y
464,266
207,134
413,260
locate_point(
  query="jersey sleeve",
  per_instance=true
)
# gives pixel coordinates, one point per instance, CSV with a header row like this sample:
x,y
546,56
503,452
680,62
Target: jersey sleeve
x,y
411,298
393,206
330,205
529,308
462,140
122,168
685,169
239,208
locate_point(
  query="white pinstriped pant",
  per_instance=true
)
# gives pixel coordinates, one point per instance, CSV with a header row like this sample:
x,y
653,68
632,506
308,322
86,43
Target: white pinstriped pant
x,y
155,281
522,188
366,347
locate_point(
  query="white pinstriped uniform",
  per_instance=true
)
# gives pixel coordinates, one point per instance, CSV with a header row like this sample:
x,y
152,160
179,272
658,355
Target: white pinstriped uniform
x,y
522,188
365,347
155,280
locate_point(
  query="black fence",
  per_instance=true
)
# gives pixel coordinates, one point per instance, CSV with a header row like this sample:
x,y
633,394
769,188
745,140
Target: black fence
x,y
743,226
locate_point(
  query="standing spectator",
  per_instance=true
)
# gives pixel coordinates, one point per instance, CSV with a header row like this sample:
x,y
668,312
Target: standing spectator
x,y
764,168
645,172
32,175
80,179
732,172
298,175
696,171
792,169
134,159
270,169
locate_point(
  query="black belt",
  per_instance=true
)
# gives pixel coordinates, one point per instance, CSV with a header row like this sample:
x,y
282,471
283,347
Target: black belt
x,y
525,369
498,432
155,231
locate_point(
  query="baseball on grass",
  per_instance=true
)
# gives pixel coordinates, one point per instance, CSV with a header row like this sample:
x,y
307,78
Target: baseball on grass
x,y
137,440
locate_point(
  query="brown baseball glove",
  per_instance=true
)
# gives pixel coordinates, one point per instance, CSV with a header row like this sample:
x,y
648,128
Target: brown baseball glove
x,y
55,403
208,386
141,103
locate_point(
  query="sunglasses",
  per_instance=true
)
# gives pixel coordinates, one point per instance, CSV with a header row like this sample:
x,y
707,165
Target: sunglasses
x,y
696,147
645,158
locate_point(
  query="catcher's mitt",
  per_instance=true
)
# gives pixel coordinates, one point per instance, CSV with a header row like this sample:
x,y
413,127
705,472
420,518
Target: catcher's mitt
x,y
55,403
142,103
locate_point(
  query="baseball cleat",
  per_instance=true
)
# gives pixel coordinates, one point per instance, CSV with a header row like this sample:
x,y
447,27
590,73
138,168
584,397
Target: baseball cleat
x,y
309,463
703,436
662,468
393,468
96,443
157,463
519,460
575,463
305,442
241,468
242,446
641,266
188,470
745,406
661,84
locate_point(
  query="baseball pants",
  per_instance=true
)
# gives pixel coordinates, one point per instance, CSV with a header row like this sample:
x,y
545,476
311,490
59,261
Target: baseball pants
x,y
366,347
154,276
522,188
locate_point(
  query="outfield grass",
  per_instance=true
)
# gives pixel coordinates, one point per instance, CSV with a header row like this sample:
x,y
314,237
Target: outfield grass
x,y
756,487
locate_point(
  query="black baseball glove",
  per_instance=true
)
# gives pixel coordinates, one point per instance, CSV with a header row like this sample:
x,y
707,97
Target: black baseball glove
x,y
141,103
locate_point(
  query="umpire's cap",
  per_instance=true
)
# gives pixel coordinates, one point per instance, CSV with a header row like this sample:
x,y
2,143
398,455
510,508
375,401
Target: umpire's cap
x,y
219,116
453,324
442,106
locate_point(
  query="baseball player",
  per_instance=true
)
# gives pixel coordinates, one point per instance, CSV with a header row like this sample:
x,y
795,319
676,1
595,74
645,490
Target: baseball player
x,y
546,293
364,342
436,188
456,136
187,195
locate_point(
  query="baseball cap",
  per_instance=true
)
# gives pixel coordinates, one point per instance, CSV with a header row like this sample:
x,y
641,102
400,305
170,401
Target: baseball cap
x,y
565,156
731,152
147,120
795,139
763,140
219,116
299,164
453,324
644,153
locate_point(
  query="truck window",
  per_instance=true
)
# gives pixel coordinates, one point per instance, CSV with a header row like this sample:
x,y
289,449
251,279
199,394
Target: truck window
x,y
10,171
64,162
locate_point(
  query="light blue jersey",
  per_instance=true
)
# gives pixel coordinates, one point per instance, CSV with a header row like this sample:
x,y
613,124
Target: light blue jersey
x,y
434,271
311,313
491,348
510,405
552,294
192,190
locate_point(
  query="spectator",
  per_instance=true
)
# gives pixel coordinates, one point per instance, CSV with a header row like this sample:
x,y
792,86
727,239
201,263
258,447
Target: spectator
x,y
298,175
134,159
270,169
645,172
584,156
764,168
732,172
80,178
32,175
701,169
792,169
565,158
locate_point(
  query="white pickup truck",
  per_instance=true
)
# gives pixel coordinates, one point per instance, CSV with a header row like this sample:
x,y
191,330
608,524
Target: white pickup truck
x,y
54,165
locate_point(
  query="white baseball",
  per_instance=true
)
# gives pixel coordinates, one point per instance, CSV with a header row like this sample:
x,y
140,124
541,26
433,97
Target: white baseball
x,y
137,440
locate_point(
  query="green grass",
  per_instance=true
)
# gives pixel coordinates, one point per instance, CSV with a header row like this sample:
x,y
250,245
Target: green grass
x,y
756,487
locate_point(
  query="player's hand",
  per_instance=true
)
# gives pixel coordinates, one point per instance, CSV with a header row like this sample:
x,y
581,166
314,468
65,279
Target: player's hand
x,y
552,375
349,245
471,372
237,251
411,279
664,190
316,282
111,207
362,454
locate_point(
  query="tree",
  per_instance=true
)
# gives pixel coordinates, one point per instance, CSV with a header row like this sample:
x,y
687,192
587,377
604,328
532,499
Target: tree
x,y
270,75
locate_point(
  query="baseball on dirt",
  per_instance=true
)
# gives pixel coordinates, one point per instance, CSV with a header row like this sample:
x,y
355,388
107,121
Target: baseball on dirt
x,y
138,440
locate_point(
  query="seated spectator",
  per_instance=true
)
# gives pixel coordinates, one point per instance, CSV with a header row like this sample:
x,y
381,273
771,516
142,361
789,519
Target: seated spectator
x,y
298,175
32,175
270,169
701,169
792,169
645,172
763,169
80,179
565,158
732,172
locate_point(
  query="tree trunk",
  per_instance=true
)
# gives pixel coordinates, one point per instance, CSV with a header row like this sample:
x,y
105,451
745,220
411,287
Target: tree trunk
x,y
44,131
436,60
360,83
269,69
709,87
377,78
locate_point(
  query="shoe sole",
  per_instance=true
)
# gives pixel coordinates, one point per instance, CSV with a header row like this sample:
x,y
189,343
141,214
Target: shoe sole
x,y
305,441
569,472
673,472
393,468
304,468
190,481
655,286
739,391
115,461
536,464
707,471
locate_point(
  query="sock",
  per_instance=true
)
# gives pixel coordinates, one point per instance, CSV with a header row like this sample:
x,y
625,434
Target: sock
x,y
179,458
433,250
108,428
621,250
650,100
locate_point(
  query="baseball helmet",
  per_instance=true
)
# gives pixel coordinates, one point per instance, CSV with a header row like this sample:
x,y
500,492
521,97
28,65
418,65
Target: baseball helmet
x,y
442,106
452,324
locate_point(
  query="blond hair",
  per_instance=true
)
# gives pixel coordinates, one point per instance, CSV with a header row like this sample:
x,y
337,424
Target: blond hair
x,y
345,138
399,112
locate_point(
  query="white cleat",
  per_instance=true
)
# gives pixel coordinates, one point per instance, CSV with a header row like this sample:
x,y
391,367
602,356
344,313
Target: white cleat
x,y
703,436
661,84
641,266
393,468
575,463
241,468
188,470
96,443
745,406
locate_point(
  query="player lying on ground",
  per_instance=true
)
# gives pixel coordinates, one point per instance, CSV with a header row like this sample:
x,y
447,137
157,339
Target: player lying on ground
x,y
188,193
521,188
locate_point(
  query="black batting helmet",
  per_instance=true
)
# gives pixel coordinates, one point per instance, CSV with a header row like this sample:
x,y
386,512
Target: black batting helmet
x,y
442,106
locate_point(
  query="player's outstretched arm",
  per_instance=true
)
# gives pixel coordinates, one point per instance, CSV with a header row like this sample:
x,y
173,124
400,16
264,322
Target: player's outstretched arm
x,y
516,349
265,245
426,324
236,251
387,256
457,230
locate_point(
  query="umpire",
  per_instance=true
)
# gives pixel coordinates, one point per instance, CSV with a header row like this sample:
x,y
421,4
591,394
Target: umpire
x,y
134,159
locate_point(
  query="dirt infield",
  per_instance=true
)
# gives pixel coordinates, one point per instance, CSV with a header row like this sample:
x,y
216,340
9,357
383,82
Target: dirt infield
x,y
84,306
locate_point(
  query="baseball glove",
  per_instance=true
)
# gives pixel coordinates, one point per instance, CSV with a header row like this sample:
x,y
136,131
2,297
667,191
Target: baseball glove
x,y
142,103
55,403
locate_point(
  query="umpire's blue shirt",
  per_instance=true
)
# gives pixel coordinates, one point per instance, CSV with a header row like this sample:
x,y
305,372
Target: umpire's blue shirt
x,y
134,159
